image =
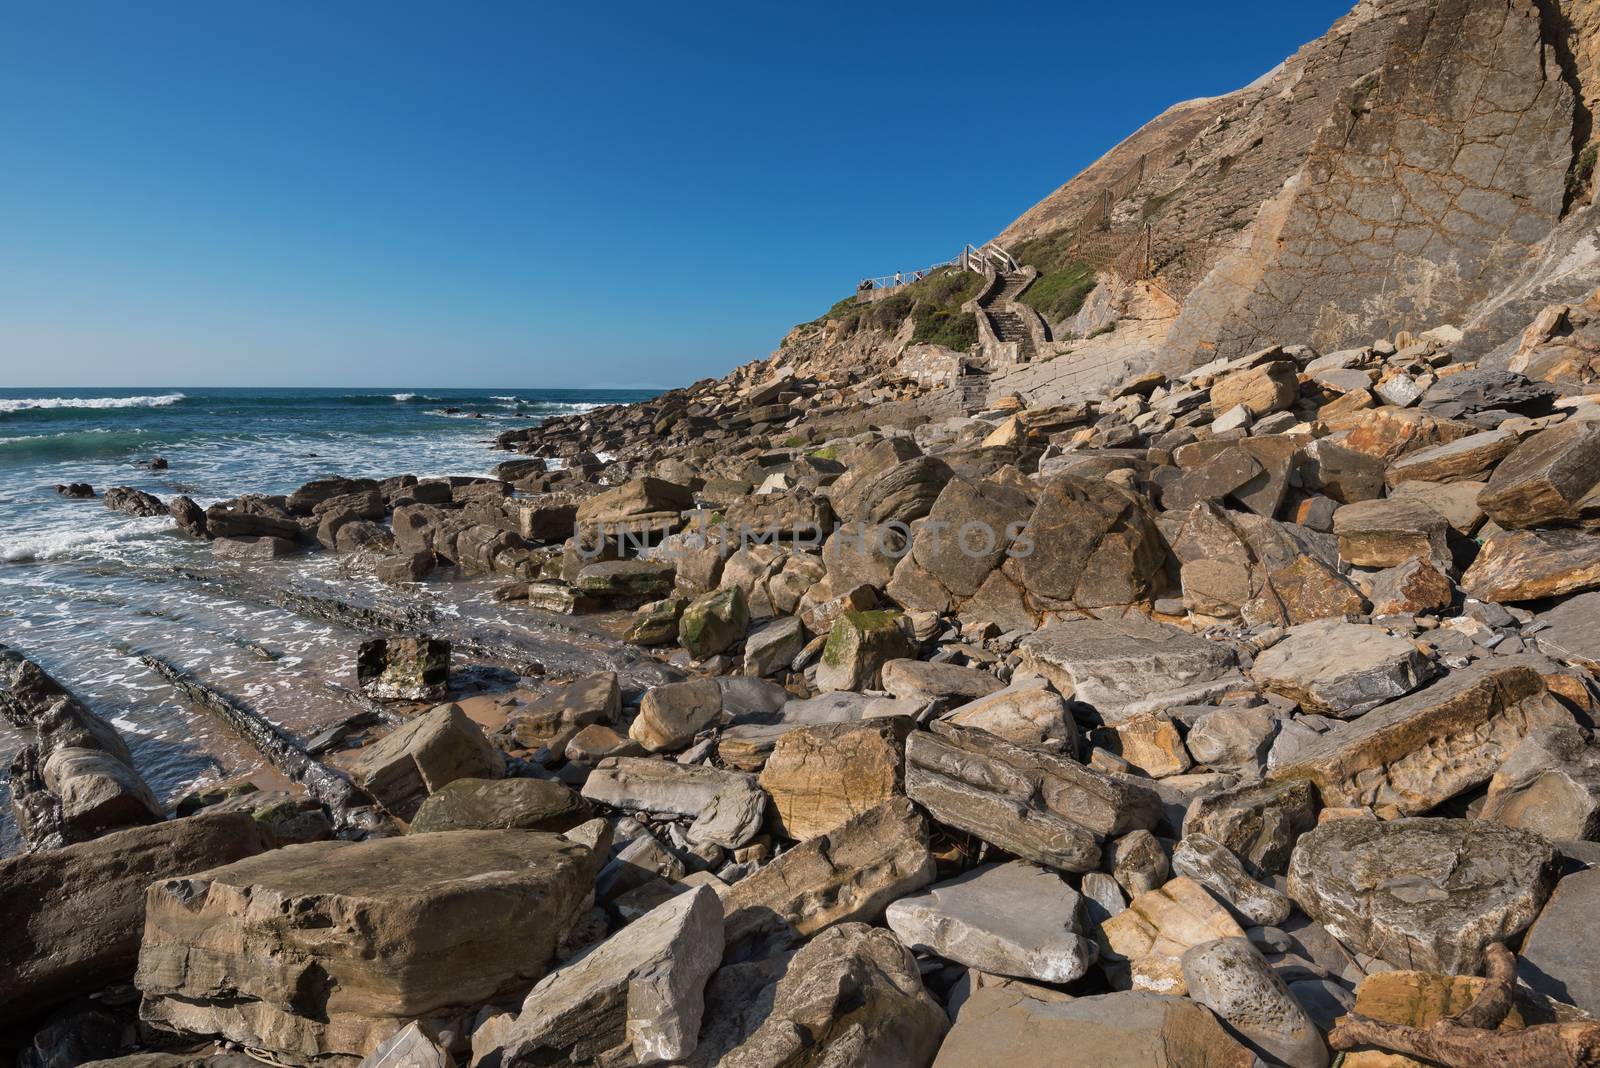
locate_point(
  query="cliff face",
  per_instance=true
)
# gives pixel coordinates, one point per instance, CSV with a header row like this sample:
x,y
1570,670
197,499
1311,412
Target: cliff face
x,y
1424,162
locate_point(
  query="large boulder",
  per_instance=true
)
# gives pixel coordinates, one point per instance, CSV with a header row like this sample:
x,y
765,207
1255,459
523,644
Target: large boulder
x,y
1028,712
1550,784
1130,1029
1030,802
640,497
858,646
1421,893
1558,955
76,913
1005,919
1259,822
660,787
1389,531
1111,664
1409,755
422,927
501,804
820,776
1088,544
1341,669
850,873
713,622
671,715
1531,565
853,996
402,768
134,502
636,997
1545,480
1232,979
890,482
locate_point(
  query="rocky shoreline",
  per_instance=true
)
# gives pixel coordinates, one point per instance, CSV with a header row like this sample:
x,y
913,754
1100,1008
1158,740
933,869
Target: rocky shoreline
x,y
1196,716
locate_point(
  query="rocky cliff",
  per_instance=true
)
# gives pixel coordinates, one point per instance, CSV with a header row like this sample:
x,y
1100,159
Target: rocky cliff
x,y
1423,163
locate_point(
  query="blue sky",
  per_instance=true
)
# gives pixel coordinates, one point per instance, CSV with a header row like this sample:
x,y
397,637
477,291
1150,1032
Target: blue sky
x,y
522,195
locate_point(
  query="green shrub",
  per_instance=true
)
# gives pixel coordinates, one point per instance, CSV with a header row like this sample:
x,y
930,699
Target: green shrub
x,y
934,302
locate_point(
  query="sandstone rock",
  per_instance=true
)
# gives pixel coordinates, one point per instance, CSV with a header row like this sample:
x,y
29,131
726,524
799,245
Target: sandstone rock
x,y
713,622
1088,544
642,496
656,623
560,711
1549,784
501,804
1466,459
889,483
625,578
1572,631
401,769
660,787
672,714
252,548
924,680
1547,477
1419,999
1270,387
858,554
968,532
818,777
1112,663
1158,926
1558,954
638,994
1232,738
1387,533
1259,822
851,996
77,912
859,644
1007,919
96,790
1137,861
850,873
731,818
1129,1029
1026,713
409,1048
1456,501
1421,893
421,927
404,669
772,648
1413,588
1151,743
1341,669
1210,863
1530,565
1231,979
1412,754
1029,802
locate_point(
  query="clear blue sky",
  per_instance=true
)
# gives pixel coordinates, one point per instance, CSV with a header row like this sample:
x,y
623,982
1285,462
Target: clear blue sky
x,y
525,195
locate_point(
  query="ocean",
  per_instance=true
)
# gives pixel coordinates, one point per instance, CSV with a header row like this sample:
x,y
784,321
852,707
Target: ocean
x,y
85,590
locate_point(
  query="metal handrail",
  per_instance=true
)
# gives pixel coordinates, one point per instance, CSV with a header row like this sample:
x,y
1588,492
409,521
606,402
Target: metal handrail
x,y
980,259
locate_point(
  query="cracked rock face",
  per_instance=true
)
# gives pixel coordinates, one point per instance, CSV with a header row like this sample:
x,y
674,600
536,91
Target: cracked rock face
x,y
1421,893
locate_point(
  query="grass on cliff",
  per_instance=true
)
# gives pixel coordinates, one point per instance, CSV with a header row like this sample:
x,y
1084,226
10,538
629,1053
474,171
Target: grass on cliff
x,y
1063,283
933,303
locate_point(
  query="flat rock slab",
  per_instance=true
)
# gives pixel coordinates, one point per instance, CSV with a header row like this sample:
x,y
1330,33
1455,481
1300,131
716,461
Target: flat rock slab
x,y
385,931
501,804
819,777
1572,631
1421,893
927,681
1130,1029
1341,669
660,787
1530,565
1030,802
75,914
1111,664
1412,754
1007,919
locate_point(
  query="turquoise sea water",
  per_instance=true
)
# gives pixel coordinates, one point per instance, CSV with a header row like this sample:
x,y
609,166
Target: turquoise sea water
x,y
84,589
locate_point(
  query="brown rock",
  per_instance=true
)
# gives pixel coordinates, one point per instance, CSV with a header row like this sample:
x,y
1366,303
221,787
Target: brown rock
x,y
1530,565
1152,933
1547,478
1387,533
401,769
1268,388
819,777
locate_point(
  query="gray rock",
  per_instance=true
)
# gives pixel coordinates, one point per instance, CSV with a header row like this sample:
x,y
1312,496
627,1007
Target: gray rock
x,y
770,649
1257,822
1231,979
1341,669
1559,953
1007,919
671,715
1210,863
1421,893
640,992
731,818
1571,631
1233,738
659,787
1034,804
1112,663
923,680
1027,712
1137,862
425,754
1549,784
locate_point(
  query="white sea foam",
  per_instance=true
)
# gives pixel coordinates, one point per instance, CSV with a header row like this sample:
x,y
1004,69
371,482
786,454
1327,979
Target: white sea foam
x,y
62,542
24,404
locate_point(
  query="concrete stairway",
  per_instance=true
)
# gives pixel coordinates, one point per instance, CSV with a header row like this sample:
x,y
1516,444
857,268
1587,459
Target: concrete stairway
x,y
1008,325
